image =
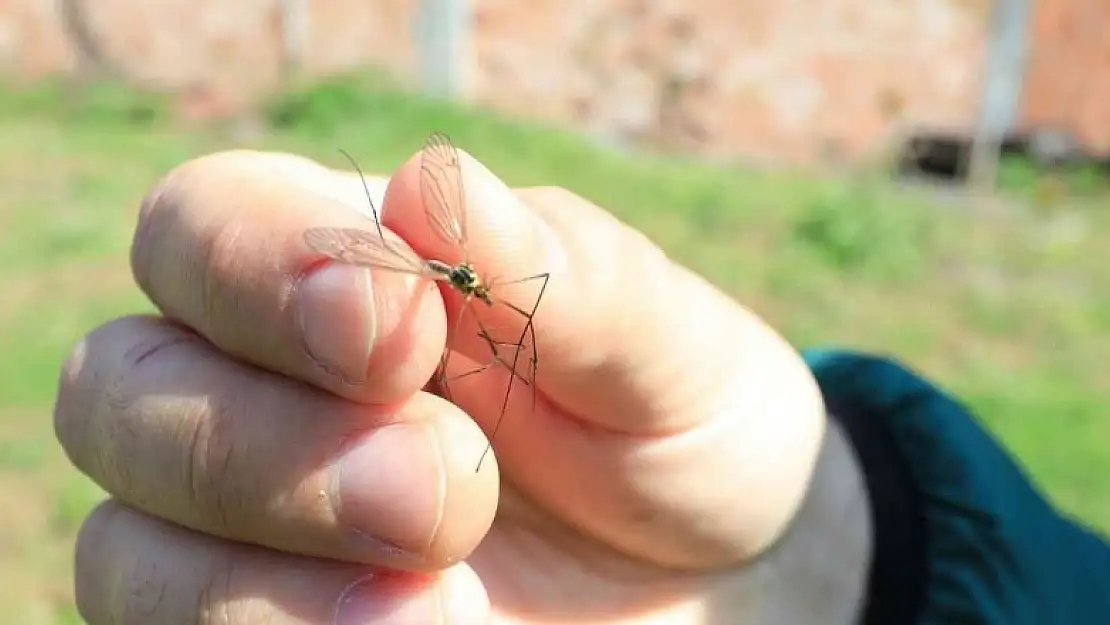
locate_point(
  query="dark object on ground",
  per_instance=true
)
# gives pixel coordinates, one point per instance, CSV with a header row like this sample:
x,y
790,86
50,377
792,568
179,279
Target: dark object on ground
x,y
945,154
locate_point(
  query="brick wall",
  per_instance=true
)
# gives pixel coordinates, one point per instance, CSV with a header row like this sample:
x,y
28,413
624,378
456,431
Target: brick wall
x,y
1068,80
787,80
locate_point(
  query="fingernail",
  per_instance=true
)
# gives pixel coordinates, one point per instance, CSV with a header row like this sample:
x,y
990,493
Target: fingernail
x,y
388,488
373,602
335,313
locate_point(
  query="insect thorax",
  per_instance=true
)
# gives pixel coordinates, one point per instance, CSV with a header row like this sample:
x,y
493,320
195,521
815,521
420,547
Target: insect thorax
x,y
465,279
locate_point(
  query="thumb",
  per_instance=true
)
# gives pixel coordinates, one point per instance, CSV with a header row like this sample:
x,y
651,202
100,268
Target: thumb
x,y
672,422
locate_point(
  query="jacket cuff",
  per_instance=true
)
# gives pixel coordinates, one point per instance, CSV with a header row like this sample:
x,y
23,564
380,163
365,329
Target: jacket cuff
x,y
962,536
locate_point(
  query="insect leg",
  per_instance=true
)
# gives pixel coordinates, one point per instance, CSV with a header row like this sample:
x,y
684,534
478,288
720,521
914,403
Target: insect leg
x,y
530,332
443,380
494,346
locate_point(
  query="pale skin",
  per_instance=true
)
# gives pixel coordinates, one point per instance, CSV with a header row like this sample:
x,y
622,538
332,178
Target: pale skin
x,y
272,457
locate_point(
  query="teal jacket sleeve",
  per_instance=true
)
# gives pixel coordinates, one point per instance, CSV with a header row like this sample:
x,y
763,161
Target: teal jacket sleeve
x,y
962,535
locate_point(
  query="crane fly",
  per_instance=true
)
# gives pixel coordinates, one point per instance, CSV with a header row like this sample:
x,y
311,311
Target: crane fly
x,y
443,196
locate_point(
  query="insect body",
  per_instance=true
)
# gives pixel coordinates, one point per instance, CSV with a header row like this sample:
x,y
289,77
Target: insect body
x,y
442,192
464,279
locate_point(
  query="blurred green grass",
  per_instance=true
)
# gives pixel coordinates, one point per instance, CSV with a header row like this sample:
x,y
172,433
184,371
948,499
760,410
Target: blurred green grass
x,y
1004,300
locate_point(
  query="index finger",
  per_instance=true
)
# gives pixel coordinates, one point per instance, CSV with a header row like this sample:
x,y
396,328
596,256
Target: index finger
x,y
649,378
612,328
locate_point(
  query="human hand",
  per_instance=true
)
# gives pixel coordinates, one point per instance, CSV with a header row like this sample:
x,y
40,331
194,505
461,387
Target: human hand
x,y
271,455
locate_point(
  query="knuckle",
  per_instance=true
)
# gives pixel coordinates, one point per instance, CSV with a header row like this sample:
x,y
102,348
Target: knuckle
x,y
97,417
207,478
218,275
200,436
120,578
69,426
91,537
155,223
173,230
90,393
133,447
97,576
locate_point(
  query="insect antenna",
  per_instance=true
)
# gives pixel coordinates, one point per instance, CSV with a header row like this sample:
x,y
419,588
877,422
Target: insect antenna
x,y
366,188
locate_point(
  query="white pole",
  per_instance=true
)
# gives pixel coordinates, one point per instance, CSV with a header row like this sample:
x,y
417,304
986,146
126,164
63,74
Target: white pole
x,y
443,41
294,35
1003,70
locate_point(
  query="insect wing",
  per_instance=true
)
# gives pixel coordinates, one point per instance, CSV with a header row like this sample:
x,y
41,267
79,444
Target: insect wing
x,y
366,249
441,189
